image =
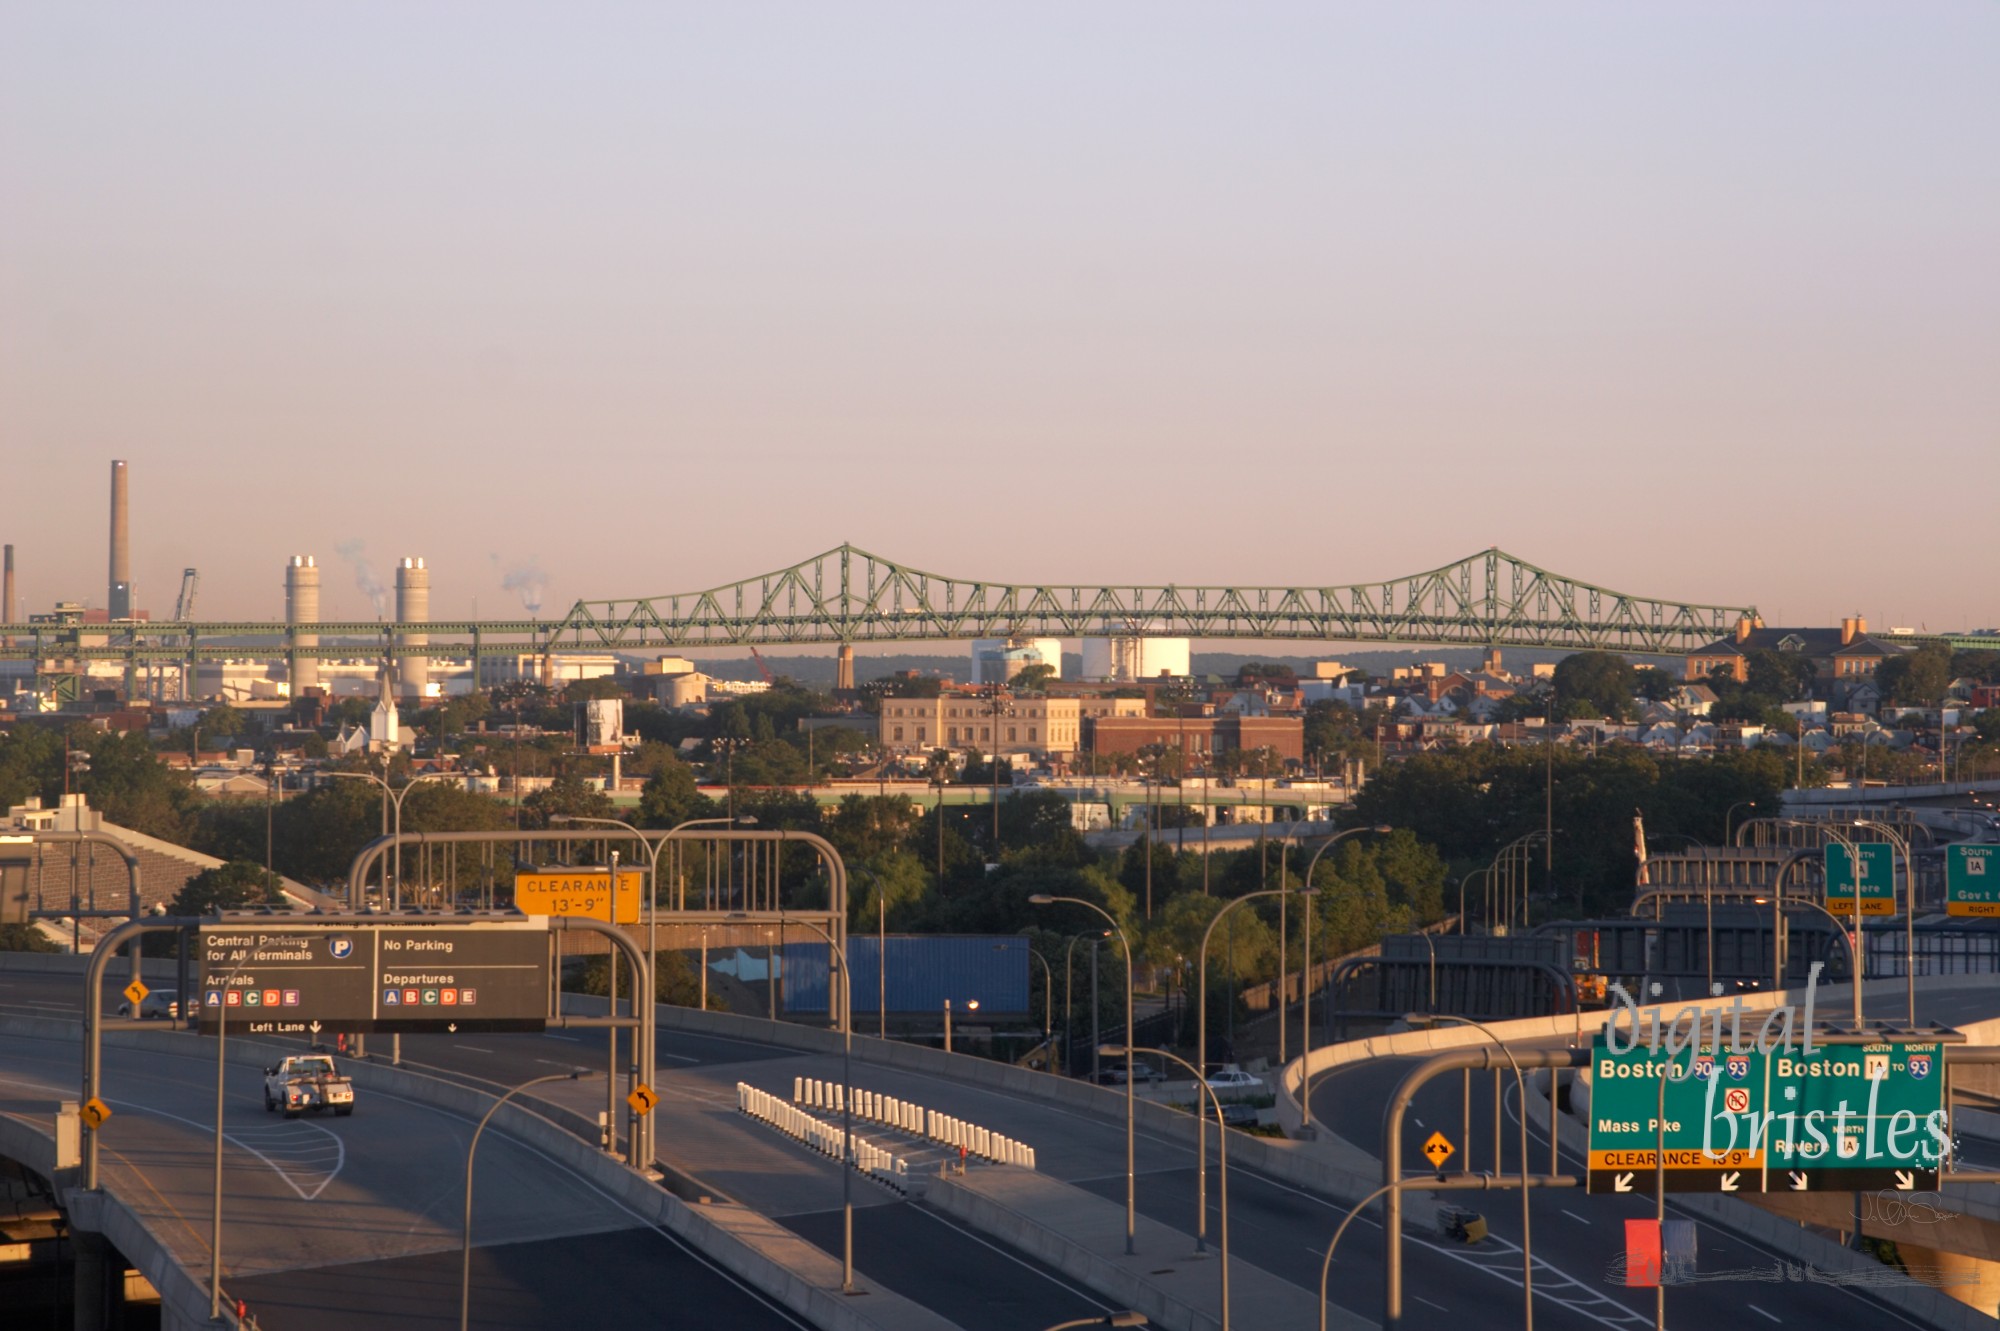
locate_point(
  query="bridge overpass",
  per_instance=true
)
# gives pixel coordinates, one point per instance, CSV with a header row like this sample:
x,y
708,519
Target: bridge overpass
x,y
848,596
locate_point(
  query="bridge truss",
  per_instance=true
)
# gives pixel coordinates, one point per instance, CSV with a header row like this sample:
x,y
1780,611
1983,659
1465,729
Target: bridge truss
x,y
848,596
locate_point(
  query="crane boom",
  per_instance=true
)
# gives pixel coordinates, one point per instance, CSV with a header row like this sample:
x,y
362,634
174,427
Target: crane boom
x,y
184,603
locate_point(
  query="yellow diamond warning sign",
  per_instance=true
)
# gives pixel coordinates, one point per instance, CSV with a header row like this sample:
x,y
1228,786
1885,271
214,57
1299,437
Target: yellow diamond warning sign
x,y
642,1099
1437,1150
93,1113
135,994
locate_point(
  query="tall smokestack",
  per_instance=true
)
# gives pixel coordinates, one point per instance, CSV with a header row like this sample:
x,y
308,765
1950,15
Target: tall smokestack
x,y
413,606
119,603
302,607
7,607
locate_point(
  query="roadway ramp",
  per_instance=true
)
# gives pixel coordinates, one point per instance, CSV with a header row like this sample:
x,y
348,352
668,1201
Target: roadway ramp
x,y
1083,1236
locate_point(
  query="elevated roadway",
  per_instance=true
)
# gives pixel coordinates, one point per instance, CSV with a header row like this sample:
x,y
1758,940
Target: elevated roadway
x,y
1578,1232
330,1220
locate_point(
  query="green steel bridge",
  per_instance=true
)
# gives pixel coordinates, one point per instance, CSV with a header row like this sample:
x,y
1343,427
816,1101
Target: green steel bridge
x,y
848,596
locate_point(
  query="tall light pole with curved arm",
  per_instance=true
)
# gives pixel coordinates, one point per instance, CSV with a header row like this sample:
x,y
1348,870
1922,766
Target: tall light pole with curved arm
x,y
1131,1173
1305,977
471,1152
1222,1152
1069,962
846,1099
642,1126
1527,1244
1909,910
1855,955
395,795
1201,1041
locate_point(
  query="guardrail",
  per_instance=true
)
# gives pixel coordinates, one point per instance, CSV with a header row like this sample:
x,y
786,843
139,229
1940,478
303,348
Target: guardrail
x,y
916,1120
870,1159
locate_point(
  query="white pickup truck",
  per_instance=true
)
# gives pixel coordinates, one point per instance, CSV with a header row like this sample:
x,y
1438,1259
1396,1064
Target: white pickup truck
x,y
307,1081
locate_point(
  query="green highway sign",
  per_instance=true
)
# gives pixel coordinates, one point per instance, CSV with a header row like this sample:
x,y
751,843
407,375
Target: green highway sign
x,y
1878,877
1843,1117
1972,880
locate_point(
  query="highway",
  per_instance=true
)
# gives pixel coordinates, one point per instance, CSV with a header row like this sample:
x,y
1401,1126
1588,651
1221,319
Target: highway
x,y
981,1285
328,1220
972,1281
1577,1232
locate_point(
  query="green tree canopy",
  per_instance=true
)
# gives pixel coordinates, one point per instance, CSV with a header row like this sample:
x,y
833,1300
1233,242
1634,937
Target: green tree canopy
x,y
1603,681
237,885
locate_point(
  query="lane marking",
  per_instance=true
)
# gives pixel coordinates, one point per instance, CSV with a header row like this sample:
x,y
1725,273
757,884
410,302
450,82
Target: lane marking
x,y
1078,1290
571,1039
1427,1303
1574,1216
1760,1312
473,1047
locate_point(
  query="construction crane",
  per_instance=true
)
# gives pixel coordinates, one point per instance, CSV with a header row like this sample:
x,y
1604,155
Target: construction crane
x,y
184,604
761,667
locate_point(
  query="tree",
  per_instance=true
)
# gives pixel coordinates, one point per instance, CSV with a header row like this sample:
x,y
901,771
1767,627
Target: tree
x,y
568,796
675,981
1033,678
24,938
237,885
590,690
670,796
1916,679
1602,680
1778,676
1653,684
219,723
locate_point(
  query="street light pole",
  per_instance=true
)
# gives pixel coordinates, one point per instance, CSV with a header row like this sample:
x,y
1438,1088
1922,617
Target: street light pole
x,y
1131,1135
395,797
643,1158
1909,909
846,1099
1221,1149
1201,1040
1305,977
471,1151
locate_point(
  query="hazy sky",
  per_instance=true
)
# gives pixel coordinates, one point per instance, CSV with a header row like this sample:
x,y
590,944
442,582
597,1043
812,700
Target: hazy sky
x,y
1694,300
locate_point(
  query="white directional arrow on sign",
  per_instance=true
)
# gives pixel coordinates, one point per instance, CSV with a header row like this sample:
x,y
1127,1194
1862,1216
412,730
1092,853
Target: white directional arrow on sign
x,y
314,1028
1905,1180
453,1028
1729,1181
1623,1183
1798,1181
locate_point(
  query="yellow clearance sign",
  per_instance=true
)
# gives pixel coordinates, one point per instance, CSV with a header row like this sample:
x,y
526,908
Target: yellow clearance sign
x,y
583,892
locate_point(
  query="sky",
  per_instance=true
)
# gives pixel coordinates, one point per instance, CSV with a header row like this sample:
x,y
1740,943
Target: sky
x,y
590,300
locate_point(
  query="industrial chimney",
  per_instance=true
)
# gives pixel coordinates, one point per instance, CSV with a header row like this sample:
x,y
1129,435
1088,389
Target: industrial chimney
x,y
302,607
7,607
413,606
118,604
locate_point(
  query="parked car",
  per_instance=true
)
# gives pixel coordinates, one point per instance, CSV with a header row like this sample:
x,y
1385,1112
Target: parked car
x,y
1235,1079
160,1004
1238,1115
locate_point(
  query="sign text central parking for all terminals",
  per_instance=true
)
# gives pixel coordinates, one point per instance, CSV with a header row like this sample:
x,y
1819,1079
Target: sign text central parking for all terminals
x,y
286,978
1841,1117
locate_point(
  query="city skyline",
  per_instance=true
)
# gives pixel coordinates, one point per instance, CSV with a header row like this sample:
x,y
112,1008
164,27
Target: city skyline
x,y
1695,304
